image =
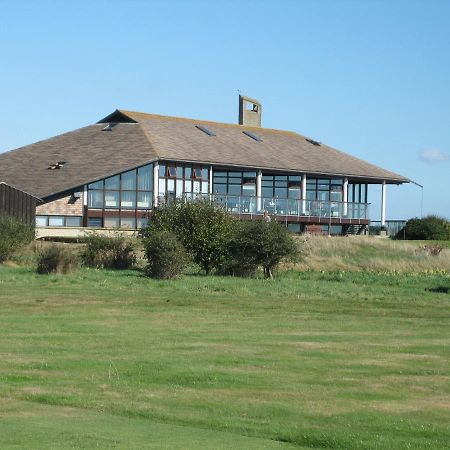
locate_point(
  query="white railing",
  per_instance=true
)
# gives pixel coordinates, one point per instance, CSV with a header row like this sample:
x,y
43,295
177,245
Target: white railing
x,y
284,206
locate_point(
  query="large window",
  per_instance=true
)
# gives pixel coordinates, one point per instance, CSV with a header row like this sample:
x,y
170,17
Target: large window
x,y
324,189
58,221
129,190
181,180
234,183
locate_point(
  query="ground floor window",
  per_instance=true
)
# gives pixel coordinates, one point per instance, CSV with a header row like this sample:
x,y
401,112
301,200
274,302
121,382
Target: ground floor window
x,y
58,221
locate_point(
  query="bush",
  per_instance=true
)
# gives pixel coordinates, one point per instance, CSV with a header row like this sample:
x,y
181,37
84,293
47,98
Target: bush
x,y
165,254
56,259
113,252
14,234
203,228
428,228
258,243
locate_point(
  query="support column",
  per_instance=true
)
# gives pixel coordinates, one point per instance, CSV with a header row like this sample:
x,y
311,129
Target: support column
x,y
155,184
383,204
303,194
210,190
345,198
258,192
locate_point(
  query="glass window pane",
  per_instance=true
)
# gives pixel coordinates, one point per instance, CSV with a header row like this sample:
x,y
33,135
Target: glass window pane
x,y
248,189
142,222
294,192
219,174
94,222
196,187
197,173
144,199
128,200
220,180
127,222
295,178
205,187
145,178
187,173
55,221
172,171
310,195
234,189
41,221
179,188
170,185
111,222
267,192
281,192
111,199
205,174
337,181
129,180
188,186
162,186
112,182
96,185
281,178
73,221
162,170
180,172
336,196
234,174
220,189
95,199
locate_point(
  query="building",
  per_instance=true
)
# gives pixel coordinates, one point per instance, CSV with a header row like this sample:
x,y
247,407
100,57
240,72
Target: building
x,y
18,204
113,173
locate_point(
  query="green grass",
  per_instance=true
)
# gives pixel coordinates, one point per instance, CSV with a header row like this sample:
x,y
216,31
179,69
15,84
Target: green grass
x,y
337,360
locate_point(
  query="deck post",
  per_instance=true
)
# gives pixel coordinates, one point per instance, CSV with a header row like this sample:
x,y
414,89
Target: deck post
x,y
303,194
345,197
155,183
383,203
210,180
258,191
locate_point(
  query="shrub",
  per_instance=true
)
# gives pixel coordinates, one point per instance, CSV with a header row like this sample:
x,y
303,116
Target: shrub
x,y
428,228
14,234
56,259
258,243
203,228
165,254
113,252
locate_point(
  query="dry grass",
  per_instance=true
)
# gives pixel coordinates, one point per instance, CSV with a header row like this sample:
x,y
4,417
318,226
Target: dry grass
x,y
369,254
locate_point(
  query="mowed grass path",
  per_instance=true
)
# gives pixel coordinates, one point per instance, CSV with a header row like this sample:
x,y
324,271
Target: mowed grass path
x,y
103,359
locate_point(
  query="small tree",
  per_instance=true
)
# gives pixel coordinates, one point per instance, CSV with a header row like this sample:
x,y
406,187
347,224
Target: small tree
x,y
165,254
203,228
14,234
260,243
428,228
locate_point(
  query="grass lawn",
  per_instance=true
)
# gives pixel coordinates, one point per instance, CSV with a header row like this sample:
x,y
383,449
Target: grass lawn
x,y
104,359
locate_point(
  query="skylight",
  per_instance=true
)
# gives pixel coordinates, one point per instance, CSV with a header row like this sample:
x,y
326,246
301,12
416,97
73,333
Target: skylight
x,y
253,136
205,130
312,141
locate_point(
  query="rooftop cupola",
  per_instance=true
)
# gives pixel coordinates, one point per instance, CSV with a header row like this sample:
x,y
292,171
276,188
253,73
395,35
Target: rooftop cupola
x,y
249,112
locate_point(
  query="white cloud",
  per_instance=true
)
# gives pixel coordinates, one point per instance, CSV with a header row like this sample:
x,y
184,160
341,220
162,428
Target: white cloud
x,y
432,155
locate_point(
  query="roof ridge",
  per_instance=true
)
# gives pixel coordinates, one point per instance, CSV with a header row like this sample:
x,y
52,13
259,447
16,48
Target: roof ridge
x,y
130,114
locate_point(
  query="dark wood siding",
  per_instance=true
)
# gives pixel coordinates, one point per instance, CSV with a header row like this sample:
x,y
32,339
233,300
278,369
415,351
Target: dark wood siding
x,y
17,203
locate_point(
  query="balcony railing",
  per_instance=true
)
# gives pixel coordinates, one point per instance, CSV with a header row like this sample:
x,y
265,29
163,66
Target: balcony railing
x,y
284,206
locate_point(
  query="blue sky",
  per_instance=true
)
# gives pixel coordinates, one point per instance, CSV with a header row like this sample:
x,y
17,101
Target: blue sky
x,y
369,77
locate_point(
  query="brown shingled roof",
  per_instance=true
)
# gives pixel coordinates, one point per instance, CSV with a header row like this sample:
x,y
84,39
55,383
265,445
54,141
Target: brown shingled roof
x,y
91,153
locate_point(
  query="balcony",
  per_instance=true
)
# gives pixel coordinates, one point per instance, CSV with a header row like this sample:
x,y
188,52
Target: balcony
x,y
290,209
